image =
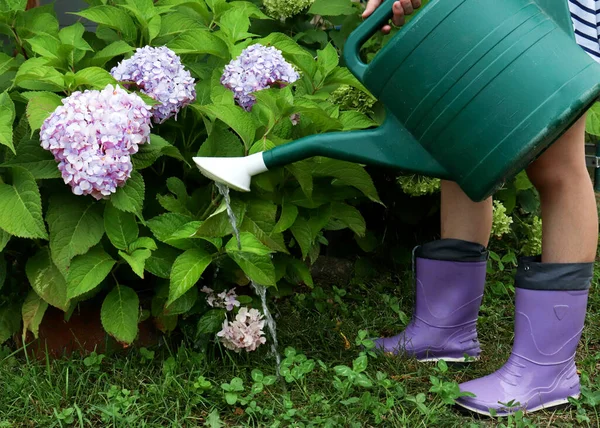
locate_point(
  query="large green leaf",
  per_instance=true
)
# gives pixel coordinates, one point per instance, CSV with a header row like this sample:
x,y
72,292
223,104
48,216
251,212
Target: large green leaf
x,y
39,162
136,260
47,280
235,23
21,206
332,8
260,221
35,75
39,107
302,171
186,272
148,153
112,17
289,212
199,41
94,78
349,217
120,314
10,321
218,224
37,22
352,120
121,227
88,271
303,235
164,225
254,258
239,120
45,46
175,23
75,224
184,303
117,48
7,117
130,198
12,5
32,312
161,261
221,143
73,36
593,120
6,63
347,173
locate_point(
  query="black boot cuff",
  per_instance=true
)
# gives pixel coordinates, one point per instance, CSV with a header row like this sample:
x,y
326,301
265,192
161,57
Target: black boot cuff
x,y
453,250
534,275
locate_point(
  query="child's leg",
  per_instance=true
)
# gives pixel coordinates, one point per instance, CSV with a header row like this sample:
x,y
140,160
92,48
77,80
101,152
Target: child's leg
x,y
551,291
569,212
464,219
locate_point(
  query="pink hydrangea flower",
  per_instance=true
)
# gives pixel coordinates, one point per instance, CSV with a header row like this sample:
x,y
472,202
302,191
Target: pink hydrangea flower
x,y
258,67
158,73
92,136
245,332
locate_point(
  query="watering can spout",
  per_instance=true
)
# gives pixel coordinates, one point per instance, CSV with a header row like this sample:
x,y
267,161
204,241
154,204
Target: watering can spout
x,y
390,146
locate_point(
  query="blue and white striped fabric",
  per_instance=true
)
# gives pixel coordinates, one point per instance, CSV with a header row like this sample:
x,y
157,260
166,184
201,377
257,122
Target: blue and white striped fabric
x,y
585,15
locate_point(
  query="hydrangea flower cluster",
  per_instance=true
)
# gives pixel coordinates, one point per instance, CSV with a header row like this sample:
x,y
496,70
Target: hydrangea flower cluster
x,y
258,67
350,98
226,299
501,221
245,333
416,185
92,136
283,9
158,73
532,245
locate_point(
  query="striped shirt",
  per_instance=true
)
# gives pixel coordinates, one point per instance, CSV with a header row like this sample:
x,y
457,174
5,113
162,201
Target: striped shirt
x,y
585,15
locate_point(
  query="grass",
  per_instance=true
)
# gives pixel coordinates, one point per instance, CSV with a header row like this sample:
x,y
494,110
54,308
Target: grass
x,y
181,387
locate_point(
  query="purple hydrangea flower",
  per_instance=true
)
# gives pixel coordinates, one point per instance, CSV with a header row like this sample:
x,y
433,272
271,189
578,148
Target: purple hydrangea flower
x,y
92,136
158,73
258,67
226,299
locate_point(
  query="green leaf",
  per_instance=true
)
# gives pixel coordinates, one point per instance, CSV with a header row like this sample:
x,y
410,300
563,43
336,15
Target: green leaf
x,y
117,48
12,5
350,217
221,143
6,63
88,271
137,260
119,314
7,117
148,153
2,270
347,173
112,17
352,120
332,8
254,259
35,75
94,77
73,36
298,269
303,235
154,26
175,23
239,120
184,303
161,261
261,145
47,280
211,321
343,76
164,225
218,224
198,42
186,271
4,238
10,321
143,242
31,156
302,171
121,227
592,125
235,23
130,198
75,226
37,22
327,59
142,8
32,312
45,46
289,212
260,221
40,107
21,206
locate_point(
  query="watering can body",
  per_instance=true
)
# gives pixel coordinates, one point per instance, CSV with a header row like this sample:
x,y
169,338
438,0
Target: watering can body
x,y
474,91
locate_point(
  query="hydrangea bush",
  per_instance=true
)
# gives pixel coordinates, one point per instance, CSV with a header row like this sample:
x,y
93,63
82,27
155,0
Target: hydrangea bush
x,y
100,201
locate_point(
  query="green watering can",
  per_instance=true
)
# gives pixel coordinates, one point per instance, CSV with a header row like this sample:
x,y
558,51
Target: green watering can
x,y
474,91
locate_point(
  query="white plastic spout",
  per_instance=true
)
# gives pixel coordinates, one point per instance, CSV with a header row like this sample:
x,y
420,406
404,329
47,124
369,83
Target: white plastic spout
x,y
236,173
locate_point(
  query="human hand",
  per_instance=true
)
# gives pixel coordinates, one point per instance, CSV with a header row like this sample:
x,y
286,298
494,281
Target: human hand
x,y
400,8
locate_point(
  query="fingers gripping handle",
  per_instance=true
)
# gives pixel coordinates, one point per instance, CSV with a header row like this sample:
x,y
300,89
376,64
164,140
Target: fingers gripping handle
x,y
365,31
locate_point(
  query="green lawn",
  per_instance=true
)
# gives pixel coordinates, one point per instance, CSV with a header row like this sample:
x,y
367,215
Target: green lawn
x,y
178,386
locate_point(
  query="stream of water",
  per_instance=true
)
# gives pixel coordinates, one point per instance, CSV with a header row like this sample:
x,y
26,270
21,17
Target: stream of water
x,y
260,290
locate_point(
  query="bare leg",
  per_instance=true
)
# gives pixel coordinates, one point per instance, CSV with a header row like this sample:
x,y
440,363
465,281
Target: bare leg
x,y
464,219
569,212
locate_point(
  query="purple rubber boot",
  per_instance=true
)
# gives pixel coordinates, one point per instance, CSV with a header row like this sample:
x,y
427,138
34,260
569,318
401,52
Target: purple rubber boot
x,y
448,296
540,372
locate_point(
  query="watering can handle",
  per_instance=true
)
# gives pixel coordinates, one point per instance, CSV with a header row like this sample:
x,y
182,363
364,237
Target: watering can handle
x,y
361,34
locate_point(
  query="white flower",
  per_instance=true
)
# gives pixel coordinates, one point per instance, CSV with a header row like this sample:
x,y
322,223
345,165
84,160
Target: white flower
x,y
245,332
